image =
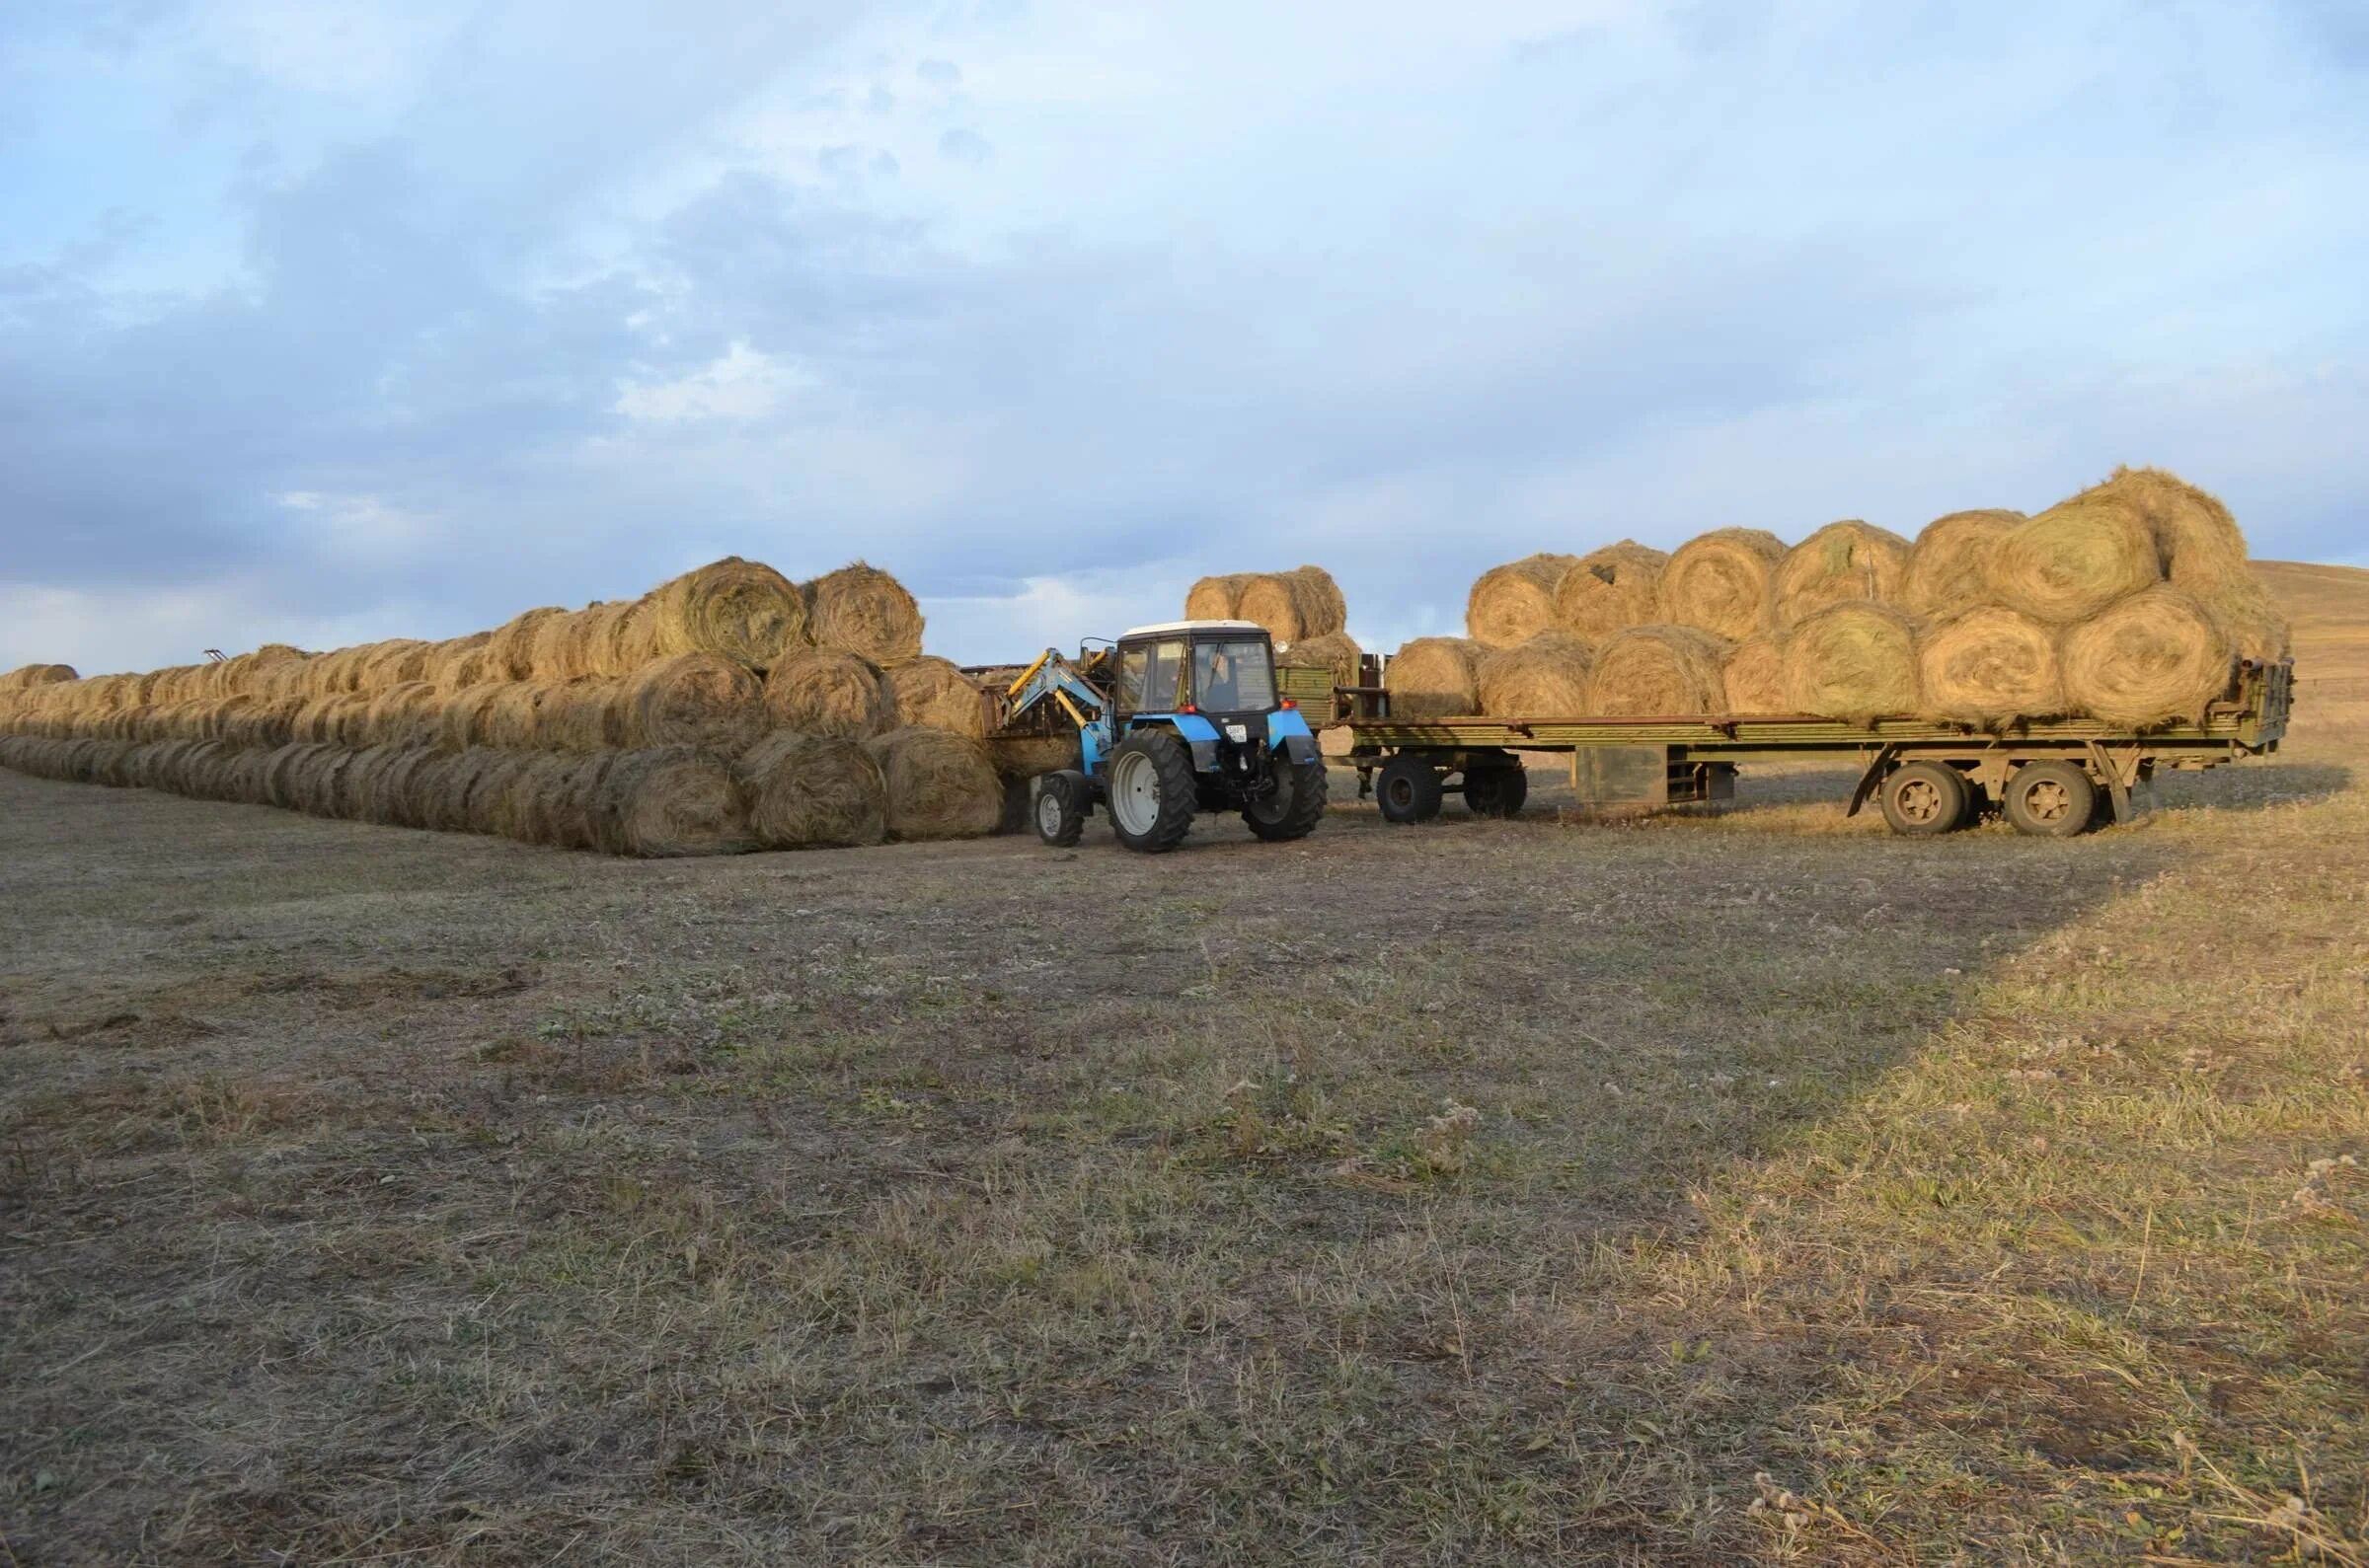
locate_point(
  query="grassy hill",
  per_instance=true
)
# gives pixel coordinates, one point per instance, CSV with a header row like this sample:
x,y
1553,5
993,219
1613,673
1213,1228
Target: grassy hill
x,y
2330,607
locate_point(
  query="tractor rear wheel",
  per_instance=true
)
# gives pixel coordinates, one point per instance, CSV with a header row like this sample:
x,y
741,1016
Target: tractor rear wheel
x,y
1409,789
1292,809
1150,789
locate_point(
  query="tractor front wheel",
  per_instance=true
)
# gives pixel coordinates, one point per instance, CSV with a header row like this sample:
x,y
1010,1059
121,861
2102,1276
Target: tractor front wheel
x,y
1061,807
1293,807
1150,790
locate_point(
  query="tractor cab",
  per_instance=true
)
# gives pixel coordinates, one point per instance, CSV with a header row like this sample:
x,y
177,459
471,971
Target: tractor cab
x,y
1224,669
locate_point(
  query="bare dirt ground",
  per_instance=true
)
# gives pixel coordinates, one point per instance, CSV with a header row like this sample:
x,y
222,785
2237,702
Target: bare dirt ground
x,y
1742,1187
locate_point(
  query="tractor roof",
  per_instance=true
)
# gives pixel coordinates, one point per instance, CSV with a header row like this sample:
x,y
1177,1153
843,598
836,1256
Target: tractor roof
x,y
1191,626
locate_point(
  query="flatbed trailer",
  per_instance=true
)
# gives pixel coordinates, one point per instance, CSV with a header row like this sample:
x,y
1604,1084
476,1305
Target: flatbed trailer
x,y
2053,778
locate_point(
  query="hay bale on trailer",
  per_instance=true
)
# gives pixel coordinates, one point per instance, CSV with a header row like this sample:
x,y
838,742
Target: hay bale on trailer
x,y
1545,675
862,610
1989,665
1946,565
2074,560
829,691
1434,678
1611,589
1304,602
1216,598
1840,562
670,801
1724,582
935,691
1337,651
813,791
689,700
939,785
1856,660
1658,671
2205,555
1512,603
2153,658
1753,675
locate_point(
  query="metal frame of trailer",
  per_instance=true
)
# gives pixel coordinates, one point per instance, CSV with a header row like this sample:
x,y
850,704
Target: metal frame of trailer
x,y
1645,763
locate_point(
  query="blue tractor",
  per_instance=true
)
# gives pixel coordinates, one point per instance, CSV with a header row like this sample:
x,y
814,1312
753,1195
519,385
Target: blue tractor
x,y
1171,720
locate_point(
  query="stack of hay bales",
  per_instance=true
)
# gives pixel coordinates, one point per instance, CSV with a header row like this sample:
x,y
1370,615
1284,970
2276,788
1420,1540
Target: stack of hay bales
x,y
703,717
1303,611
2127,603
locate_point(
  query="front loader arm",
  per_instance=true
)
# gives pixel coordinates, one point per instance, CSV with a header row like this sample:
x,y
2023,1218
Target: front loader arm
x,y
1052,681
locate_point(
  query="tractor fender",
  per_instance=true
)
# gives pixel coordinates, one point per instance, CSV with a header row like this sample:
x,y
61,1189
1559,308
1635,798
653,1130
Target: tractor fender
x,y
1288,732
1299,750
1199,734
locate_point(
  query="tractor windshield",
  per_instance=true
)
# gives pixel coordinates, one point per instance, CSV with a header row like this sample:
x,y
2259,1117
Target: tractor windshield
x,y
1233,677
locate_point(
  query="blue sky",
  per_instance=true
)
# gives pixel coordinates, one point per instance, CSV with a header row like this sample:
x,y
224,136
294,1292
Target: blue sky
x,y
324,321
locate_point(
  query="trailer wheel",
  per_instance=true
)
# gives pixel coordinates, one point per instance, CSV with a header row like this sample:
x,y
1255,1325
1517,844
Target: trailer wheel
x,y
1924,797
1151,792
2050,799
1061,807
1497,792
1409,789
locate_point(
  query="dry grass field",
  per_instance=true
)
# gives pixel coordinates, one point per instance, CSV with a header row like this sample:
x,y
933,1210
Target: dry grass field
x,y
1744,1187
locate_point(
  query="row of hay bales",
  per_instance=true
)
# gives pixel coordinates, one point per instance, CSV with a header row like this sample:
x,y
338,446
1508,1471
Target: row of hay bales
x,y
850,740
2127,603
786,791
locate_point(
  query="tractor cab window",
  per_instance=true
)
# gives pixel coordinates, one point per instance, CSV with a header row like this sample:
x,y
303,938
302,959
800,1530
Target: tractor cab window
x,y
1147,676
1233,677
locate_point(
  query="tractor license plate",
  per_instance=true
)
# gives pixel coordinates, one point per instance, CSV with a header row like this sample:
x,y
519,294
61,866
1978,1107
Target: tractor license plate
x,y
1238,732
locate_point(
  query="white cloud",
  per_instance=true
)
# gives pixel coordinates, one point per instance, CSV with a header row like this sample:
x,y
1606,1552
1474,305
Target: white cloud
x,y
743,384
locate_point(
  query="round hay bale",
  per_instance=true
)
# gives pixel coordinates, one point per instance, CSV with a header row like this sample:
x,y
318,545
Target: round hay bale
x,y
556,647
813,792
397,661
465,720
269,723
2073,560
1336,651
511,649
828,691
1658,671
318,780
862,610
691,700
1840,562
1514,602
488,776
939,785
458,662
581,716
669,801
1754,675
547,798
1304,602
511,717
1542,676
1610,590
1948,563
2156,657
1434,678
1216,598
932,691
406,712
26,677
1856,660
2204,557
280,770
1989,666
739,610
1724,582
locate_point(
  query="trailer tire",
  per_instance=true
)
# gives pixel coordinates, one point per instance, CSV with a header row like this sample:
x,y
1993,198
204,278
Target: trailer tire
x,y
1150,794
1409,789
2050,799
1497,792
1061,807
1920,798
1296,806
